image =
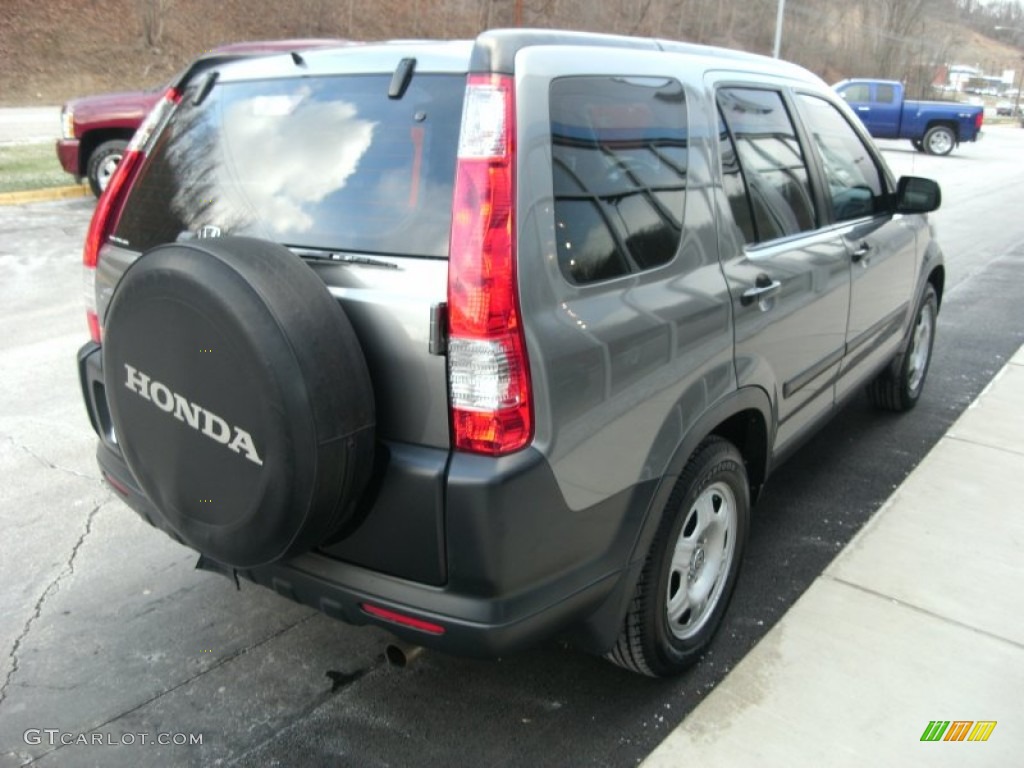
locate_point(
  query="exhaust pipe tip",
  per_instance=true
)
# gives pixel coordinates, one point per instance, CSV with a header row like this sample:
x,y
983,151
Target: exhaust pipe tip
x,y
401,655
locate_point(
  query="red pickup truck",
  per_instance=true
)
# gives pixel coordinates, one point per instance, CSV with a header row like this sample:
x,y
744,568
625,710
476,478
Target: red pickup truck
x,y
96,129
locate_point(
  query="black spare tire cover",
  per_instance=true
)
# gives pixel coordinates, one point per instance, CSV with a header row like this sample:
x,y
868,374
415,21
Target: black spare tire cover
x,y
240,397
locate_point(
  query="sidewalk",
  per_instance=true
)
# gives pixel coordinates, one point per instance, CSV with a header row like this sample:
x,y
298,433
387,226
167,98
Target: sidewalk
x,y
920,618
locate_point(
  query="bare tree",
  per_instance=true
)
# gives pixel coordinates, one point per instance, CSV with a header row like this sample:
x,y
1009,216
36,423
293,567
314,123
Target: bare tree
x,y
152,14
899,27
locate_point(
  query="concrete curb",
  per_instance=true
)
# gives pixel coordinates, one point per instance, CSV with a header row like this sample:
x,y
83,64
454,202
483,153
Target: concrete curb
x,y
893,633
43,195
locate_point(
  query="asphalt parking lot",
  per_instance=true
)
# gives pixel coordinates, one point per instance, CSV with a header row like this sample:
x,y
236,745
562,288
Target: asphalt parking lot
x,y
107,630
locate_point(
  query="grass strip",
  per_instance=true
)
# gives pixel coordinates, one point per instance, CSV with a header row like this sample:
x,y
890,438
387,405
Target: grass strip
x,y
31,166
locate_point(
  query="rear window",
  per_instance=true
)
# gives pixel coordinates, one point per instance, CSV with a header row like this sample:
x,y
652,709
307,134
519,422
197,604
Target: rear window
x,y
329,163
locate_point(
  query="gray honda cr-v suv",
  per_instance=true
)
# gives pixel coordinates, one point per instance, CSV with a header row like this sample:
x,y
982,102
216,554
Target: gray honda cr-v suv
x,y
489,341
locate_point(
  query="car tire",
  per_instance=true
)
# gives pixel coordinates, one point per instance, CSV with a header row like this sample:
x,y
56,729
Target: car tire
x,y
918,144
899,386
240,398
102,163
692,566
939,140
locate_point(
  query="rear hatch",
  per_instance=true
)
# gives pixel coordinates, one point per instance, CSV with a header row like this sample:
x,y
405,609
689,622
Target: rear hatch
x,y
348,158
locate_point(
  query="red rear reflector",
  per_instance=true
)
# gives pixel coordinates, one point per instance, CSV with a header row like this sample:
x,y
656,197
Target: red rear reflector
x,y
94,325
123,490
400,618
488,372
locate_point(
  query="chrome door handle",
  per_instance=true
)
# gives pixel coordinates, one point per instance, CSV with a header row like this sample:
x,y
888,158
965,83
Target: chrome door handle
x,y
763,289
860,254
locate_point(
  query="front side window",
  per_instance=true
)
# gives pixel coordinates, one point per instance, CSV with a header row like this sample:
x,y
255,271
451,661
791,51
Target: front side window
x,y
772,161
619,159
855,186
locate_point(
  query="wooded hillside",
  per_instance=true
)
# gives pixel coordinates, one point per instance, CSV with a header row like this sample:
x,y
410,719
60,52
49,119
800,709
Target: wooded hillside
x,y
54,49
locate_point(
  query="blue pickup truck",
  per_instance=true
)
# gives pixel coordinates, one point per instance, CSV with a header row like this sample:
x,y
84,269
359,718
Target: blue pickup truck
x,y
934,127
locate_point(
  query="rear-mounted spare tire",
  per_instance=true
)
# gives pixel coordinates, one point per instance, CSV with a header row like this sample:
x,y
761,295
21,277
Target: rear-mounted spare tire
x,y
240,397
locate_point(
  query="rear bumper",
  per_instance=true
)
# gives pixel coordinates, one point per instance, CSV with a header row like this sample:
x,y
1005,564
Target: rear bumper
x,y
510,580
472,626
67,153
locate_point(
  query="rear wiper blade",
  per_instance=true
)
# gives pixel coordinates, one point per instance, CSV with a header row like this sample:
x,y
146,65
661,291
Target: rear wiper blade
x,y
343,258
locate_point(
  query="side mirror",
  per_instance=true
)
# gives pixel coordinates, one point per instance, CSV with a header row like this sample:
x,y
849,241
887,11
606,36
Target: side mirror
x,y
917,195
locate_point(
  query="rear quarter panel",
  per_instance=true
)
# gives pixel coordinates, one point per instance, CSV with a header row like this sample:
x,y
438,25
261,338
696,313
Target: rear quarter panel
x,y
919,116
621,368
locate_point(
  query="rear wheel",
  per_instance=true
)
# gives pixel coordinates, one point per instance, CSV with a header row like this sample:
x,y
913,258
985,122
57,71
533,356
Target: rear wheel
x,y
899,386
918,144
939,140
103,162
692,566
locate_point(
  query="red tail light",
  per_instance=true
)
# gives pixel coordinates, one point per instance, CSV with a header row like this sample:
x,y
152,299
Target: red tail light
x,y
111,202
488,374
979,119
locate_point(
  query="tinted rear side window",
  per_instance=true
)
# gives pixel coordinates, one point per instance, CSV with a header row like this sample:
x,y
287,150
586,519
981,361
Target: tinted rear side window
x,y
733,185
619,155
326,162
772,161
886,94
